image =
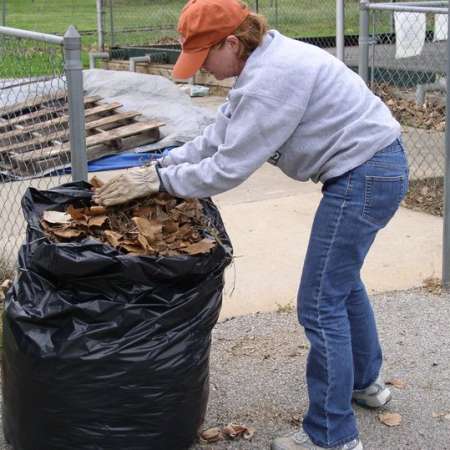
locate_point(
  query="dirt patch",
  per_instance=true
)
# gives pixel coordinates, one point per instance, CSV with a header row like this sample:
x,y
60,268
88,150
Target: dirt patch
x,y
426,195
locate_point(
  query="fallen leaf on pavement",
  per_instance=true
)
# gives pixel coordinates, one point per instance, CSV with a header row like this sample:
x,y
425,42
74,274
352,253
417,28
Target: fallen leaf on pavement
x,y
233,430
390,419
248,435
397,383
443,415
211,435
433,285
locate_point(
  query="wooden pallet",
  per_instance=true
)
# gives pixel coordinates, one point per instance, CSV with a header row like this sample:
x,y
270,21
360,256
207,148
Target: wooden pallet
x,y
34,135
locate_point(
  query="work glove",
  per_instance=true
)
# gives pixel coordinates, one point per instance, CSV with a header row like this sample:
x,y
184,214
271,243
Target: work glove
x,y
132,184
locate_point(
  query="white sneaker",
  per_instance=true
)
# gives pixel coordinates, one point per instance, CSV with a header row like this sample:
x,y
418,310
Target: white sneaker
x,y
374,396
300,441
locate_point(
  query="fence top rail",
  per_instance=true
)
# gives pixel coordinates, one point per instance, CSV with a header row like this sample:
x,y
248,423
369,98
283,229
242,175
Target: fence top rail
x,y
405,8
421,3
33,35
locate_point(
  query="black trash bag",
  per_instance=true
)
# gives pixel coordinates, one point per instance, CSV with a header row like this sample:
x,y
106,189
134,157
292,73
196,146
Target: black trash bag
x,y
104,350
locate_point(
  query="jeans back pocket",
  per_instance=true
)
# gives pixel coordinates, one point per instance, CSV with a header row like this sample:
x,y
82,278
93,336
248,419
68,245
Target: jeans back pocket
x,y
383,196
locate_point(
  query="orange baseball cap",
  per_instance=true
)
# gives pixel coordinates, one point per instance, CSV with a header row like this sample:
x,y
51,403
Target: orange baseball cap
x,y
203,24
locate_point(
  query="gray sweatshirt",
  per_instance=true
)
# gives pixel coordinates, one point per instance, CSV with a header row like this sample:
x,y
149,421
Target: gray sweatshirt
x,y
293,105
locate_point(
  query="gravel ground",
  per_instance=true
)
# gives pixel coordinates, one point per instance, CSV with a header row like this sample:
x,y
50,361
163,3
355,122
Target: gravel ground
x,y
258,363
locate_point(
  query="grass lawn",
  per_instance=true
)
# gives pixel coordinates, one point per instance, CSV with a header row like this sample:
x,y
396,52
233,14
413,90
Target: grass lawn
x,y
296,18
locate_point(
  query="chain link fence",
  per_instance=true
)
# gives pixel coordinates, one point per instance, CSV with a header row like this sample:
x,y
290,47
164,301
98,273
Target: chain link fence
x,y
407,69
150,22
36,119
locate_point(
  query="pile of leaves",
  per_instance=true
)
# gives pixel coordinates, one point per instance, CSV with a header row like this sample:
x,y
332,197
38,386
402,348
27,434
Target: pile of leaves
x,y
426,195
160,225
430,116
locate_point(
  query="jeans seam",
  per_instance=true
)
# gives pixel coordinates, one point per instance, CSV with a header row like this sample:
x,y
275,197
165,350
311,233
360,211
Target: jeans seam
x,y
324,337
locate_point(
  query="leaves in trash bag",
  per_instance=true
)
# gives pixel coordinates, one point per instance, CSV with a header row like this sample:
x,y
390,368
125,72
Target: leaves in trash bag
x,y
95,211
150,230
390,419
204,246
397,383
68,233
56,217
211,435
76,213
113,237
155,225
97,221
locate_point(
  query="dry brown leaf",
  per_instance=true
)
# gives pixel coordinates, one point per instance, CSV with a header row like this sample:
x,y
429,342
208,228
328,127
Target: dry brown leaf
x,y
204,246
397,383
68,233
96,182
170,227
133,249
433,285
151,230
145,244
211,435
56,217
75,213
143,211
233,430
97,221
248,435
113,237
390,419
95,211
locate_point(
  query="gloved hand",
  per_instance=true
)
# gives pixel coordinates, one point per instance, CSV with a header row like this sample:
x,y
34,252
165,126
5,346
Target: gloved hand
x,y
132,184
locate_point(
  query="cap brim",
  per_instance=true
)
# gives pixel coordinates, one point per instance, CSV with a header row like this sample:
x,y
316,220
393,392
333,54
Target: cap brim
x,y
188,63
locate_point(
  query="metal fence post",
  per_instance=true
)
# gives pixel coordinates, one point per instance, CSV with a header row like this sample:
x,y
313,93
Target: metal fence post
x,y
364,40
446,243
100,26
111,21
74,75
4,13
340,29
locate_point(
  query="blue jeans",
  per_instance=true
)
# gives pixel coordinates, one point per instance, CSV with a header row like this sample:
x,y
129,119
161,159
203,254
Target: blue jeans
x,y
333,305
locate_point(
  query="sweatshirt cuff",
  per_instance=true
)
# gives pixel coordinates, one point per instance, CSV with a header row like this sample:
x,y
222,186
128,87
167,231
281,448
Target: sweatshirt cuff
x,y
161,184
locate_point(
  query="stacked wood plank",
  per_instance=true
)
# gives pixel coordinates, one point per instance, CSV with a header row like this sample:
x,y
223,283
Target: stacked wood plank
x,y
34,134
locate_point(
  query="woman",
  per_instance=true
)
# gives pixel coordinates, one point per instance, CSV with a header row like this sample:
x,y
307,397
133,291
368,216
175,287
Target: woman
x,y
299,108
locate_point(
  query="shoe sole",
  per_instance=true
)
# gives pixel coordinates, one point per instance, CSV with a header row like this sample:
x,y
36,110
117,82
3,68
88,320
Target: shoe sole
x,y
380,400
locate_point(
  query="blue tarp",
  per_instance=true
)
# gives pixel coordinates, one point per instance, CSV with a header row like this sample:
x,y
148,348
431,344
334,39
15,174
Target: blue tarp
x,y
124,160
